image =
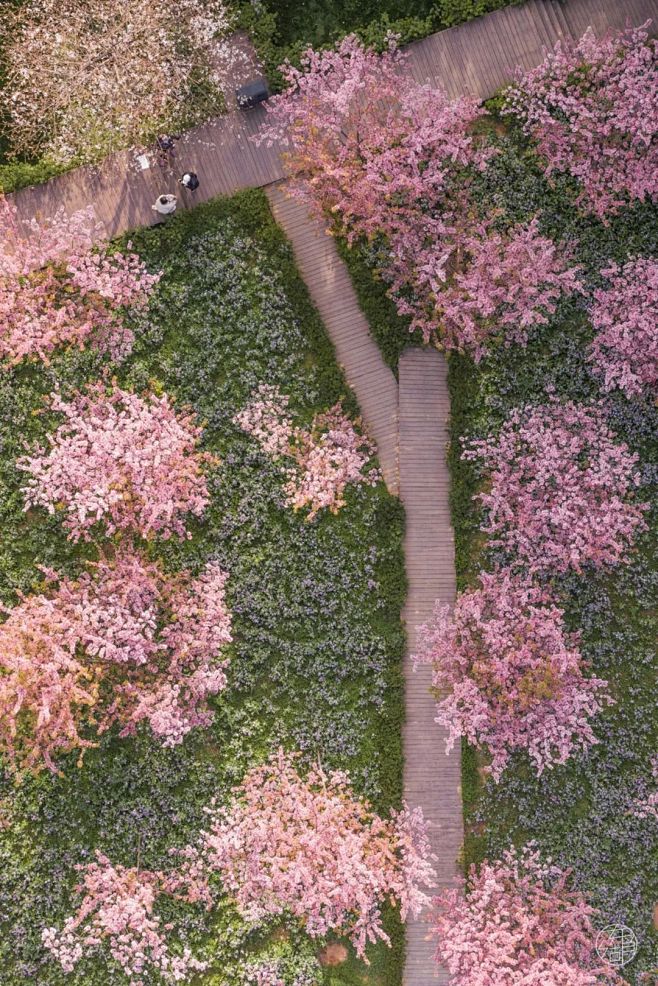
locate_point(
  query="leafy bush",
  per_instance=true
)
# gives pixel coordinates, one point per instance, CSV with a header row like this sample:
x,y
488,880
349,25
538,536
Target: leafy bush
x,y
19,174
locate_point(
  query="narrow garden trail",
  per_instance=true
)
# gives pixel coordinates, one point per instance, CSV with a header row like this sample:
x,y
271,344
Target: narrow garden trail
x,y
431,779
331,290
409,422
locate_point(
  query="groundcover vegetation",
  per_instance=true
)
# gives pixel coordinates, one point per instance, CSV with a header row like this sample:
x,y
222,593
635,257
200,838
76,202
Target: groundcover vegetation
x,y
315,662
580,814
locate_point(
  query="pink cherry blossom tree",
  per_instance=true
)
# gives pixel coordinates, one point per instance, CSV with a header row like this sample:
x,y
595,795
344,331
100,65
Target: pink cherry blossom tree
x,y
29,244
591,110
368,146
516,921
54,290
381,158
129,463
117,909
560,488
309,847
489,282
87,77
509,675
123,644
624,353
322,460
384,159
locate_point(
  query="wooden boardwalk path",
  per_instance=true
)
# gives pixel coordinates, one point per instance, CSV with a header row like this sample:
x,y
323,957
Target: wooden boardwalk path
x,y
476,57
480,56
408,421
431,779
330,287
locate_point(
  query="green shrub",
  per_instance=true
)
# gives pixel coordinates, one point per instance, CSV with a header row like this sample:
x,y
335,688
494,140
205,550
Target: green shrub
x,y
20,175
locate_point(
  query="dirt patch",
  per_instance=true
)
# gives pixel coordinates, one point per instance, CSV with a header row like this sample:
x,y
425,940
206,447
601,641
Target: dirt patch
x,y
333,954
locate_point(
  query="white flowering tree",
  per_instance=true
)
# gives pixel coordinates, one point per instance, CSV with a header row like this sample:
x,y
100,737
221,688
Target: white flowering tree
x,y
86,77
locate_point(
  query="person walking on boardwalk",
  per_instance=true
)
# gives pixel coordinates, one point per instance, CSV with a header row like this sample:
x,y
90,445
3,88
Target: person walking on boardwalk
x,y
165,205
190,180
165,146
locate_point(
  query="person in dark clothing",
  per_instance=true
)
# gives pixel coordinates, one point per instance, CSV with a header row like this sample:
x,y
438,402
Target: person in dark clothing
x,y
165,145
190,181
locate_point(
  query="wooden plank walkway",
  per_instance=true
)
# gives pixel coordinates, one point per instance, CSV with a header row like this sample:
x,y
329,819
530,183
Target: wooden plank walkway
x,y
431,778
480,56
408,423
330,287
476,57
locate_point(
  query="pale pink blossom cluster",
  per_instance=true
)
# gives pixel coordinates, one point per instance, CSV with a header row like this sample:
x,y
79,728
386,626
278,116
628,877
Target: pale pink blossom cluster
x,y
507,282
123,644
308,847
508,675
267,419
560,490
85,78
54,290
591,109
29,244
625,315
516,922
264,974
324,459
118,909
120,278
127,462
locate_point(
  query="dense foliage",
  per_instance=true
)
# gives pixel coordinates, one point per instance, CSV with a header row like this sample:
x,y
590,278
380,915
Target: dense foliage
x,y
86,78
624,313
314,660
57,288
395,173
319,462
119,461
586,814
561,488
124,645
510,675
286,845
307,846
590,108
